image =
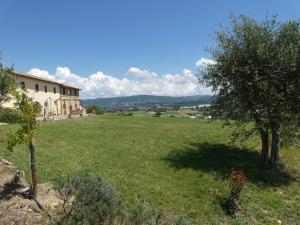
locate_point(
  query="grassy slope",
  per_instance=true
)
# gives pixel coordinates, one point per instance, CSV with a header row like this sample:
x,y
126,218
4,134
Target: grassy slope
x,y
168,162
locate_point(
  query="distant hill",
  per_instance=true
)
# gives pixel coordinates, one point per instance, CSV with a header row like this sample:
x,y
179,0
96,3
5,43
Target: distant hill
x,y
148,101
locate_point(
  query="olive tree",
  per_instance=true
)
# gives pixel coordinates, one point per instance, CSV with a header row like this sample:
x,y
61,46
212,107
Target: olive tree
x,y
7,83
256,78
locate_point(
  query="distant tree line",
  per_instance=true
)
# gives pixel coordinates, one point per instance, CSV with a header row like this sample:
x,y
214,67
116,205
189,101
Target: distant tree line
x,y
94,109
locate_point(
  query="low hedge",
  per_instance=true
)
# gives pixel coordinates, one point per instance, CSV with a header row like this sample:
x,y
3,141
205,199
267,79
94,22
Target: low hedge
x,y
8,115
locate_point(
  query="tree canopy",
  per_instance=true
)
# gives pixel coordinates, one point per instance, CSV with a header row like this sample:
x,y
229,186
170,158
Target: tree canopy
x,y
256,77
7,83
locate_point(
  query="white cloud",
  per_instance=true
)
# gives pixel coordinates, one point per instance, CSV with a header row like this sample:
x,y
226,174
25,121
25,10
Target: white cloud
x,y
141,74
41,73
136,81
204,62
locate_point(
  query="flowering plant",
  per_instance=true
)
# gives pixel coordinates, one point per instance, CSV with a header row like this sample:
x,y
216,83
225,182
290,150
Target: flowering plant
x,y
238,179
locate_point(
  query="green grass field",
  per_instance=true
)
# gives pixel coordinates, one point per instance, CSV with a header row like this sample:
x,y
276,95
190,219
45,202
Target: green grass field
x,y
170,163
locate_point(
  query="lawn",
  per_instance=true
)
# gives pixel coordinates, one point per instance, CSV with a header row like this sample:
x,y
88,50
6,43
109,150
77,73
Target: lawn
x,y
170,163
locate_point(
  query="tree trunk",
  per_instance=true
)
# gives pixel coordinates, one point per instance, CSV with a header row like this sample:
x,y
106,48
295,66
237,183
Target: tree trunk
x,y
33,169
264,135
274,159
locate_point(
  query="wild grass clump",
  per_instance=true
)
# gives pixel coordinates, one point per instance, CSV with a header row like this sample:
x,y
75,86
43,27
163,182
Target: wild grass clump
x,y
146,215
87,199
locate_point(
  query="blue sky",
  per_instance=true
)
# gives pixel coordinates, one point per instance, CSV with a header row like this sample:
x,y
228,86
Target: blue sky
x,y
111,37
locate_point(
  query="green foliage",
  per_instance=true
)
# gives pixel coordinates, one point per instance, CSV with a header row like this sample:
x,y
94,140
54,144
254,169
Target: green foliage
x,y
8,115
257,71
95,201
94,109
256,76
157,114
145,215
7,83
87,199
125,114
38,107
26,110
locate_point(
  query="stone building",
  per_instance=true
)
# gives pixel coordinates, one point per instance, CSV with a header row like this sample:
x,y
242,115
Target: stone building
x,y
55,98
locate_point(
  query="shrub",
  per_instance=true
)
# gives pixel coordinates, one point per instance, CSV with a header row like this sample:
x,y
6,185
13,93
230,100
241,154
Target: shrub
x,y
87,199
94,109
157,114
125,114
38,108
8,115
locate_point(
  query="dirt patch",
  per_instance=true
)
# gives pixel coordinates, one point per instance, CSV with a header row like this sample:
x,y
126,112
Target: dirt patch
x,y
47,196
4,164
17,210
5,177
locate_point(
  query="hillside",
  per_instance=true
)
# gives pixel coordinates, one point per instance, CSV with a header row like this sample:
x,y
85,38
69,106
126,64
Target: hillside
x,y
148,101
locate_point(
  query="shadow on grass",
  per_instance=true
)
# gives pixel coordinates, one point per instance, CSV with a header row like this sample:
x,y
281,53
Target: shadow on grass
x,y
221,158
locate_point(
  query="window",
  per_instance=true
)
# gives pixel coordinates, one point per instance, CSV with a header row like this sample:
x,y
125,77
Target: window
x,y
64,91
46,89
75,92
70,92
22,85
54,90
36,87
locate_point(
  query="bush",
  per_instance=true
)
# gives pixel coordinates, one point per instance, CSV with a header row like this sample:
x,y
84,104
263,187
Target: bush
x,y
8,115
94,201
94,109
87,199
125,114
157,114
38,108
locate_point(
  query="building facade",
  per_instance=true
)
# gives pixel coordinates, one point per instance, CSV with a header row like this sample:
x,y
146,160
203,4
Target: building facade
x,y
55,98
